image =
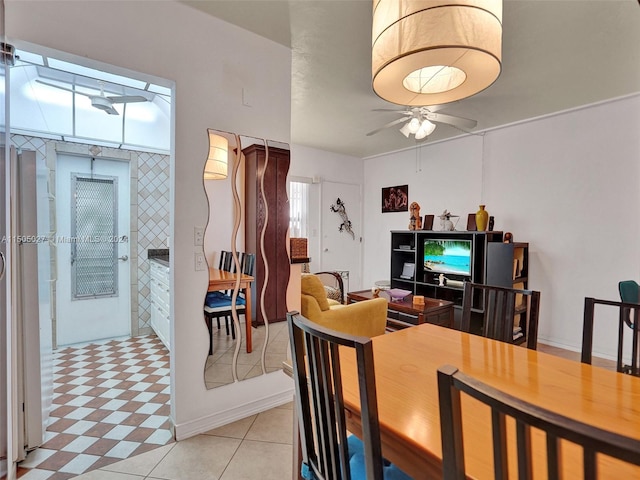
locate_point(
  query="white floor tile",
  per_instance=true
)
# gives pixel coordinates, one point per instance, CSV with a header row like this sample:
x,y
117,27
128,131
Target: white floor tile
x,y
114,404
80,427
80,444
119,432
79,413
159,437
80,464
36,457
123,449
116,417
149,408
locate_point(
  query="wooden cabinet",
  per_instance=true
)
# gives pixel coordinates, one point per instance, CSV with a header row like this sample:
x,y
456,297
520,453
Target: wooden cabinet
x,y
267,207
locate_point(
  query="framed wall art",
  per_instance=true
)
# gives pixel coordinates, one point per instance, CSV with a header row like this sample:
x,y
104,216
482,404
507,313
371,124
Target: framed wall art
x,y
395,199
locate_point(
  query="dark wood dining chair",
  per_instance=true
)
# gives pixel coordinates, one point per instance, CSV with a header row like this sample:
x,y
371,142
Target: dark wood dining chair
x,y
328,453
498,307
629,293
218,304
593,440
627,312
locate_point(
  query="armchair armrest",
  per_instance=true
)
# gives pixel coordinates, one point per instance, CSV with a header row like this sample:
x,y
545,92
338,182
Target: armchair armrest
x,y
367,318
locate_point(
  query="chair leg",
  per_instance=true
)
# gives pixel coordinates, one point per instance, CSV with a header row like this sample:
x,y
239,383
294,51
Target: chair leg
x,y
209,321
228,320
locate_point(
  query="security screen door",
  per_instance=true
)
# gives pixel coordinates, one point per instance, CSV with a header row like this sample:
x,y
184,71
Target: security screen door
x,y
93,218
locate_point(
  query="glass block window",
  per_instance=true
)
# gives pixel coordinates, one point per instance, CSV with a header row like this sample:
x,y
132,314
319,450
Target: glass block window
x,y
94,222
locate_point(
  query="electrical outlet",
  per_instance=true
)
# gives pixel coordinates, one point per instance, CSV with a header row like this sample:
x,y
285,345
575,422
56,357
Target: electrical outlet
x,y
198,236
200,262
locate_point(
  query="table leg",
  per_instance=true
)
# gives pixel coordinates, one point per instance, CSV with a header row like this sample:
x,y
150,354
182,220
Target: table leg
x,y
247,319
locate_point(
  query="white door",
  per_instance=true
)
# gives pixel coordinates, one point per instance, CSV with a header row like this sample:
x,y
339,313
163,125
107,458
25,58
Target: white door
x,y
93,268
342,231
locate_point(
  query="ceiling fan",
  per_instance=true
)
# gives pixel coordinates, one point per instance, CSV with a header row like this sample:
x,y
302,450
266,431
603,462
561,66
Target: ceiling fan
x,y
102,102
420,121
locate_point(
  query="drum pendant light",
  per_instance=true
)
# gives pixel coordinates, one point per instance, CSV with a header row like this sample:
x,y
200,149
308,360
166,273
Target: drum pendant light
x,y
429,52
218,158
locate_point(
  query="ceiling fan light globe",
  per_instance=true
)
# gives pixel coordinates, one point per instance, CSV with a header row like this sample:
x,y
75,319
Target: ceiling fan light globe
x,y
414,125
405,130
425,130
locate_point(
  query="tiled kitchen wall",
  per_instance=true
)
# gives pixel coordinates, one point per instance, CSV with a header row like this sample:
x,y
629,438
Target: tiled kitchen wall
x,y
149,212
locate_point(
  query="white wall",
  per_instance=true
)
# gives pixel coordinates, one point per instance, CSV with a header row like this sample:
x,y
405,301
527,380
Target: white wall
x,y
568,184
210,62
322,166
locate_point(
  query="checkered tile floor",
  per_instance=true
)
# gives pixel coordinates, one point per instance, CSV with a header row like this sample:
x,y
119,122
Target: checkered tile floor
x,y
110,402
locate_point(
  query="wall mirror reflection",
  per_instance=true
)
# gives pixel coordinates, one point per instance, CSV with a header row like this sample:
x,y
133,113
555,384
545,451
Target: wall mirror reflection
x,y
245,249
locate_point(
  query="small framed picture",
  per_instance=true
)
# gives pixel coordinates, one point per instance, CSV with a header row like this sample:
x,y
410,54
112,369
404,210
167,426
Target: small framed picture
x,y
395,199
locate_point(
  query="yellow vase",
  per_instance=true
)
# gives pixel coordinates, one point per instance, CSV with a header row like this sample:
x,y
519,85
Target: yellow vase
x,y
482,219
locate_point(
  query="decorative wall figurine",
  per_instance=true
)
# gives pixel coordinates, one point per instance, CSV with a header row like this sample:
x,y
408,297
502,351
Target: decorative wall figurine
x,y
415,220
345,226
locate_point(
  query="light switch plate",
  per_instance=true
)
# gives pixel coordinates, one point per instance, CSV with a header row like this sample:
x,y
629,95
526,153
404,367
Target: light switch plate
x,y
198,236
200,262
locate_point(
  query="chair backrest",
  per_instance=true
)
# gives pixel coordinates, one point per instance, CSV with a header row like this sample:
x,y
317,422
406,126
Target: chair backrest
x,y
629,293
592,439
625,311
319,399
498,307
248,262
226,261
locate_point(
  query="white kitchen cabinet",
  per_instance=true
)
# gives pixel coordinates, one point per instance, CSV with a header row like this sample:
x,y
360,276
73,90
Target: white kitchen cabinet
x,y
160,301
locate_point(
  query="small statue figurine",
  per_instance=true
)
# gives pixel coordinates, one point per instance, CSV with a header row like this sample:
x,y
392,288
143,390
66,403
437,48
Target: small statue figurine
x,y
441,279
445,221
415,221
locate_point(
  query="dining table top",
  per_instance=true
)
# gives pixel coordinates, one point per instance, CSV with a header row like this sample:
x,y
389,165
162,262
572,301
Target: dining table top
x,y
406,362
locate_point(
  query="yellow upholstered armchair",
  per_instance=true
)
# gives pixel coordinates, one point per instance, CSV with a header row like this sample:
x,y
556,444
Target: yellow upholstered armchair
x,y
367,318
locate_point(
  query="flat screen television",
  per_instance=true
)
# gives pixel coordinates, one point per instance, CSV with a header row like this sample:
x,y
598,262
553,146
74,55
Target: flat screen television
x,y
447,256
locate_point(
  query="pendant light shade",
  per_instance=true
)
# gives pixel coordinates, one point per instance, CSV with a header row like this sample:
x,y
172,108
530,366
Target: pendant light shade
x,y
429,52
218,159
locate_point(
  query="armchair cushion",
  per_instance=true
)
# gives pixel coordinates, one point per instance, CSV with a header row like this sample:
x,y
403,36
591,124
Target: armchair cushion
x,y
312,286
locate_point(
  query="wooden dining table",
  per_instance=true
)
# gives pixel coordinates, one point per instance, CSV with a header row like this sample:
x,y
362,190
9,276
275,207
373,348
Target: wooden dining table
x,y
406,362
223,280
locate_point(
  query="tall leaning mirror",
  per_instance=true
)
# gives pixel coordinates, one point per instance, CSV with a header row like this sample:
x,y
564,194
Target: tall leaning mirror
x,y
245,248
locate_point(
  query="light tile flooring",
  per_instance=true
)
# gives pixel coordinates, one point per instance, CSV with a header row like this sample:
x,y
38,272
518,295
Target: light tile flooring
x,y
218,367
258,447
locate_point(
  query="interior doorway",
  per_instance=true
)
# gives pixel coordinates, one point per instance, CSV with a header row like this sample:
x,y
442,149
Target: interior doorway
x,y
113,165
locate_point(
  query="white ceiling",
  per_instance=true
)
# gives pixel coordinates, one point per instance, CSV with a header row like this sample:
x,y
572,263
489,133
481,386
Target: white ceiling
x,y
557,55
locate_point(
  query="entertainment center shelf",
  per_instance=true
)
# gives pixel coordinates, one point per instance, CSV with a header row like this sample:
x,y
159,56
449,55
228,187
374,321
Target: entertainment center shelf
x,y
417,262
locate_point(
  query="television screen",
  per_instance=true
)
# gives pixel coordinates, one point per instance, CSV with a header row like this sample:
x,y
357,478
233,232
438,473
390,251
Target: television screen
x,y
447,256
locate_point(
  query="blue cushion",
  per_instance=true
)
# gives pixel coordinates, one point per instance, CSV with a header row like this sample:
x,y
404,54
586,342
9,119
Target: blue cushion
x,y
218,299
357,464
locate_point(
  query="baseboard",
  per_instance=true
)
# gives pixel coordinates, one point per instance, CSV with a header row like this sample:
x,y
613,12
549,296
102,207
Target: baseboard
x,y
279,391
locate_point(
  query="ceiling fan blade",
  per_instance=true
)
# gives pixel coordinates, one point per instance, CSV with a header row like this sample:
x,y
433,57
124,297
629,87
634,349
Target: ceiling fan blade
x,y
390,124
401,112
127,99
458,122
61,88
111,111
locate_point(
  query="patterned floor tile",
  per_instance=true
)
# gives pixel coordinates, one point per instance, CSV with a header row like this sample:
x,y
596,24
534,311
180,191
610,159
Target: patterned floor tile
x,y
110,402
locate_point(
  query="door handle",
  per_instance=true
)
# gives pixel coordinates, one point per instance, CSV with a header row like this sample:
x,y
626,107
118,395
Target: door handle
x,y
4,264
124,258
